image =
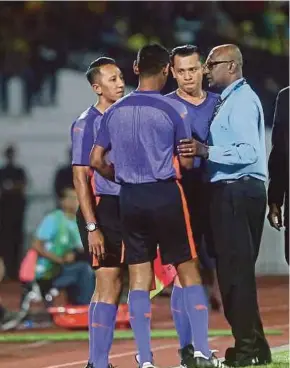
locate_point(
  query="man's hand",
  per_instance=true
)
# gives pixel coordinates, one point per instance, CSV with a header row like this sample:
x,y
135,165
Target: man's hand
x,y
96,243
275,216
191,148
69,257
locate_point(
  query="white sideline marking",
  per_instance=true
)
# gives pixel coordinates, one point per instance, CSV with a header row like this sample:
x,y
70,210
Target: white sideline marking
x,y
121,355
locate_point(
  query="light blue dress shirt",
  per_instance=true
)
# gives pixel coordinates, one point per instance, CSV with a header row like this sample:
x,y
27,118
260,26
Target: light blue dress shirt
x,y
237,136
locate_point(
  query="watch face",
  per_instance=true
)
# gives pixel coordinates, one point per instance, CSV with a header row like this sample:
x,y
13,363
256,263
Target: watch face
x,y
91,226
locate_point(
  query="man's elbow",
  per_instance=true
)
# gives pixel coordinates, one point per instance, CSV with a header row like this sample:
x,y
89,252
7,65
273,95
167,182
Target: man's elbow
x,y
248,154
252,157
95,161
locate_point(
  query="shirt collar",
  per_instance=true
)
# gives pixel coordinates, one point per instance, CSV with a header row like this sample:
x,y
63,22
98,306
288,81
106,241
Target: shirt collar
x,y
147,92
229,88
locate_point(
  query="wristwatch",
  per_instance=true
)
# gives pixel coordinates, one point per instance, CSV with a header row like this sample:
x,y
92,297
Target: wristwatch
x,y
91,226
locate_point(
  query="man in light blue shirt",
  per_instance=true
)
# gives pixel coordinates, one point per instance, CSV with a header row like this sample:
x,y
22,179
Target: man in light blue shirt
x,y
236,169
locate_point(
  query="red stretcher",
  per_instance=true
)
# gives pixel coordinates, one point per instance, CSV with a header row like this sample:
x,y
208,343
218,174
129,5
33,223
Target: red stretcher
x,y
76,317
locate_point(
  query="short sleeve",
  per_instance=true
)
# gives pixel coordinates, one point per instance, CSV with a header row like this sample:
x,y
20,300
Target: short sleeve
x,y
102,134
182,126
47,229
82,142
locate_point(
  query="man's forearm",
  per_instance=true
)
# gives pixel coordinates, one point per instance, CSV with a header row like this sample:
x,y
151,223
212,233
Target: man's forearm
x,y
243,154
86,198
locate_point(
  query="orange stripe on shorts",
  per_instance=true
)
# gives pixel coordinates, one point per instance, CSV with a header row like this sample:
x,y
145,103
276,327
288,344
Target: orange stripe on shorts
x,y
95,259
187,221
122,253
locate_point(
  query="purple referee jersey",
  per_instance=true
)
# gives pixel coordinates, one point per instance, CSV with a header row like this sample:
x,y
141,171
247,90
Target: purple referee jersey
x,y
198,117
83,134
143,129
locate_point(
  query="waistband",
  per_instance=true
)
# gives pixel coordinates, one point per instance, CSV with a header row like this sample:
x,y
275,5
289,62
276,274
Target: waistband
x,y
243,179
169,180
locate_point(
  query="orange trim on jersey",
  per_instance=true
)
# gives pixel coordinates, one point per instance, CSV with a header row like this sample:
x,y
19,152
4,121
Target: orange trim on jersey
x,y
176,166
187,221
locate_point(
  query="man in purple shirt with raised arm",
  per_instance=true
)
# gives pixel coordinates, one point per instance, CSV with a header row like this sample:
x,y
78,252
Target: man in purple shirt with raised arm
x,y
143,130
186,67
99,224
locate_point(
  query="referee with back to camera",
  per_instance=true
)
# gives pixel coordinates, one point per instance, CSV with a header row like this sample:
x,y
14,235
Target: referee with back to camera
x,y
143,131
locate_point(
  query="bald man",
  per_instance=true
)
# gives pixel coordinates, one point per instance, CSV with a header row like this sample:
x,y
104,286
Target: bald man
x,y
236,167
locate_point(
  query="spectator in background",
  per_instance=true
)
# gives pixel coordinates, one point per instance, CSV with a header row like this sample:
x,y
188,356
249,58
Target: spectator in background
x,y
278,191
15,55
12,208
63,177
8,319
60,253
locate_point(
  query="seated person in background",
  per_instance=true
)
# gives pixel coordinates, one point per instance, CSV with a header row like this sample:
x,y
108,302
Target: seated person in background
x,y
60,261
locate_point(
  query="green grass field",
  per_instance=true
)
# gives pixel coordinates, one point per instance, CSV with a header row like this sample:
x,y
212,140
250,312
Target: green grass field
x,y
118,335
280,360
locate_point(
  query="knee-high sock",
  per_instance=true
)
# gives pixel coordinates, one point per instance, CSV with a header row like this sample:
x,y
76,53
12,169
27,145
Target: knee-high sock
x,y
196,305
180,317
103,324
140,319
91,341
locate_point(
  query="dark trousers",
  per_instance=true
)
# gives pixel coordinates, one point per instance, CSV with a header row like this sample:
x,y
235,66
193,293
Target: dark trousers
x,y
286,224
237,212
12,210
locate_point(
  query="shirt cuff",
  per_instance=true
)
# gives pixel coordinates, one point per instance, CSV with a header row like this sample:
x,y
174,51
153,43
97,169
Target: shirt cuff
x,y
215,154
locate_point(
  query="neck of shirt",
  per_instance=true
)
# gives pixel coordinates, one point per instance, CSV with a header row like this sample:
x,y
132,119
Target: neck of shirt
x,y
229,88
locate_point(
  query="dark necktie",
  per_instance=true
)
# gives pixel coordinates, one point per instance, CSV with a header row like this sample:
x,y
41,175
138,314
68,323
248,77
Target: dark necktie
x,y
216,109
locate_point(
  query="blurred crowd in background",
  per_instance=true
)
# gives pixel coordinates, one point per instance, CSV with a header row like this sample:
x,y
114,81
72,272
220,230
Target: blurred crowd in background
x,y
37,38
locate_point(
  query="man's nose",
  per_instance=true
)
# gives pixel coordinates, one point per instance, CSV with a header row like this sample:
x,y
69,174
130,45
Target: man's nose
x,y
205,70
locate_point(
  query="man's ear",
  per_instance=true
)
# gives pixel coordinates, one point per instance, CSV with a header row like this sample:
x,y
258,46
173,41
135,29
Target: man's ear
x,y
166,70
135,68
173,72
232,67
97,89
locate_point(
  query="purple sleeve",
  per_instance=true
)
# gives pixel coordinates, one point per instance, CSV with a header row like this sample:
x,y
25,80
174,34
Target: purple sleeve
x,y
182,129
103,136
177,112
82,136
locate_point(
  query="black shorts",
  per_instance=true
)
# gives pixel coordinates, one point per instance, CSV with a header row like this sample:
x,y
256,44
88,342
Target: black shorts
x,y
197,196
108,218
155,214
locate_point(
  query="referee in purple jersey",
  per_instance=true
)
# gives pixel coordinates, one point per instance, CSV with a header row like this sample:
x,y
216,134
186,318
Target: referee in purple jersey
x,y
99,216
143,130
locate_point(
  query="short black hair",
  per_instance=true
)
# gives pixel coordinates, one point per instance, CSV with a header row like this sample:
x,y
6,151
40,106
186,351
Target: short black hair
x,y
95,66
151,59
184,50
63,191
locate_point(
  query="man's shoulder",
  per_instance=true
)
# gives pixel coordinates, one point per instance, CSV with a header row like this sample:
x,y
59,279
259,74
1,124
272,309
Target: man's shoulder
x,y
50,217
212,95
172,95
124,101
247,93
176,104
86,117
